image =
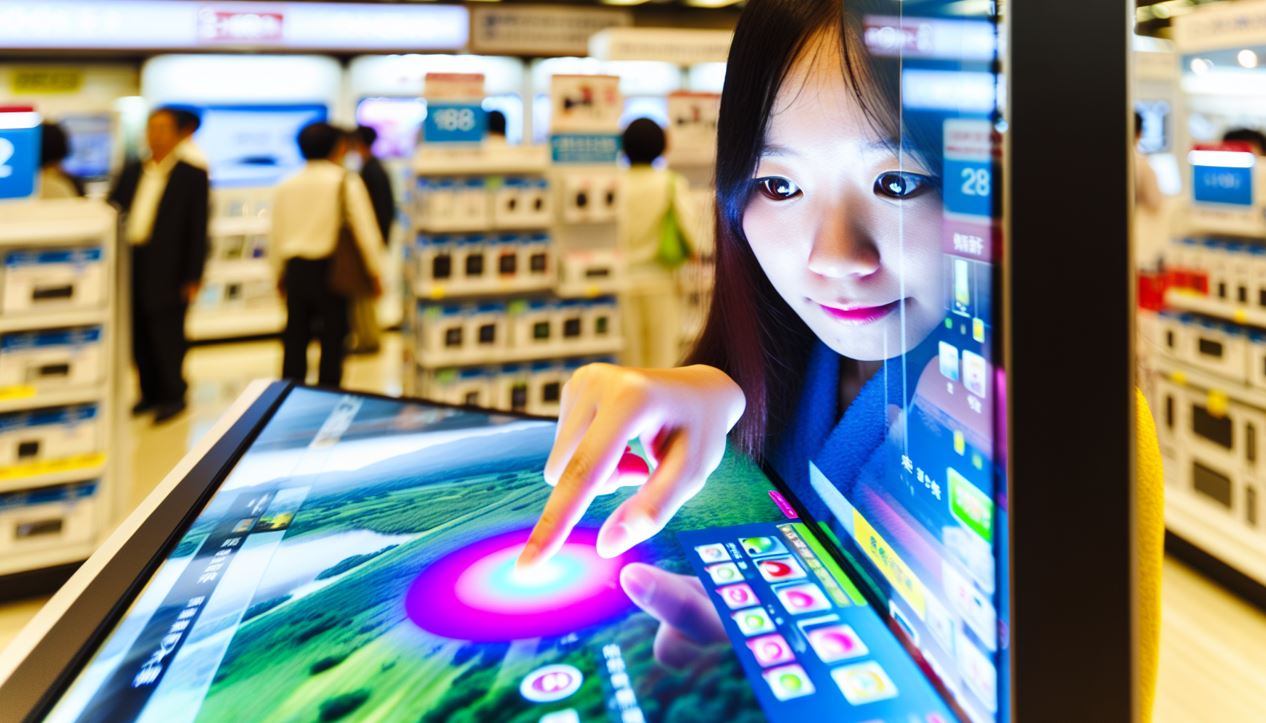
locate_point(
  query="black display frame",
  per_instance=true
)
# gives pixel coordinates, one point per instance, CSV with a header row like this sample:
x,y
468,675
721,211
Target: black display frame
x,y
1068,348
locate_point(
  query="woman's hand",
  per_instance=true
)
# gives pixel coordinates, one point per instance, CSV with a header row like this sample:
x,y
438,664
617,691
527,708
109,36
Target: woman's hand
x,y
681,416
687,619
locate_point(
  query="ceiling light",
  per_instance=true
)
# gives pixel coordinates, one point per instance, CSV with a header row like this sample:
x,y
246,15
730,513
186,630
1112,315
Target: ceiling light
x,y
1246,58
1200,66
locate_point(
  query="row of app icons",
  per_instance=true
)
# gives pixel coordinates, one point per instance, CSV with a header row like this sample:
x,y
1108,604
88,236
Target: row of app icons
x,y
831,640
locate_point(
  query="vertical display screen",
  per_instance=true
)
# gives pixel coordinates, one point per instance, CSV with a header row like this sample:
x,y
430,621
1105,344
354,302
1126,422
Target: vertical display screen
x,y
910,481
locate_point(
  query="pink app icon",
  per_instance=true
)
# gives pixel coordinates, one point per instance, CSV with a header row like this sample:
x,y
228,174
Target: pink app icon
x,y
803,598
771,650
776,569
737,596
836,642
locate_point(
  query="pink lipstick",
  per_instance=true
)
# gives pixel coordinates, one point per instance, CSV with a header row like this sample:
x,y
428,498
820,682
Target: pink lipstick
x,y
859,315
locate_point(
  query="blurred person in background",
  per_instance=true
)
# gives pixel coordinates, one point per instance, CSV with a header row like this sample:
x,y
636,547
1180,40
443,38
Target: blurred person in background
x,y
366,332
496,128
311,211
1251,136
187,124
54,181
165,202
650,198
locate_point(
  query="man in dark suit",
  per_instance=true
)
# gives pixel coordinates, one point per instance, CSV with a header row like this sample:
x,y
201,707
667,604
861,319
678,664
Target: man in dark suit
x,y
165,202
377,181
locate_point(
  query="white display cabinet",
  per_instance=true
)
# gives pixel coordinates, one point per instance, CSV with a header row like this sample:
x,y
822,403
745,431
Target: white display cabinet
x,y
60,365
506,294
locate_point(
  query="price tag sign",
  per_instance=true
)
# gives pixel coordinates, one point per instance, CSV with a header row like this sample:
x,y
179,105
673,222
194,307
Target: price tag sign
x,y
971,153
454,123
454,112
19,151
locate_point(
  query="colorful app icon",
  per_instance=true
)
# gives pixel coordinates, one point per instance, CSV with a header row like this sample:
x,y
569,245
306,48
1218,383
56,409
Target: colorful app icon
x,y
788,681
978,672
724,572
737,596
960,442
757,546
949,361
836,642
978,329
803,598
777,569
962,286
713,553
753,621
974,372
561,716
771,650
551,683
864,683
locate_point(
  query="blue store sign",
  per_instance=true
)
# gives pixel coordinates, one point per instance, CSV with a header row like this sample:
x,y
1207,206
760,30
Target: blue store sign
x,y
19,152
585,148
1231,185
454,123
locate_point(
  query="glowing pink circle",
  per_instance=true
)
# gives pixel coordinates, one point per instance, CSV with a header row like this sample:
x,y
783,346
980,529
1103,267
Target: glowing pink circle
x,y
472,593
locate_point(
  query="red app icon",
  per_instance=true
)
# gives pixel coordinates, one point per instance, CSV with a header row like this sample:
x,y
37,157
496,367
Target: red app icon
x,y
776,569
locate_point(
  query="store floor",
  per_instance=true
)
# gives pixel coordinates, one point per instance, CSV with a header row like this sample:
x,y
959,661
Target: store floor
x,y
1213,646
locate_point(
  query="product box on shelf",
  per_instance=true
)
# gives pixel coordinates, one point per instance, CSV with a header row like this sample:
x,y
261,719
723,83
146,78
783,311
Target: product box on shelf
x,y
506,261
472,257
453,205
1172,412
522,203
45,517
535,257
434,258
590,197
1215,432
1220,348
602,319
533,323
48,279
1176,333
45,435
546,387
474,206
471,386
52,358
589,272
514,388
571,319
1257,359
441,331
487,327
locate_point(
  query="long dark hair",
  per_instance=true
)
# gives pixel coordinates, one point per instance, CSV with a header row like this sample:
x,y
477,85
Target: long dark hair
x,y
751,333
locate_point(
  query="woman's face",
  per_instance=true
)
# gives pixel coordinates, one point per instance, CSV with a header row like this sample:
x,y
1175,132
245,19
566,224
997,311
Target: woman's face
x,y
845,226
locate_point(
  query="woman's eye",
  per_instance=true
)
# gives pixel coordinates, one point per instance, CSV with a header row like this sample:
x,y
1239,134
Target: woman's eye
x,y
901,184
777,188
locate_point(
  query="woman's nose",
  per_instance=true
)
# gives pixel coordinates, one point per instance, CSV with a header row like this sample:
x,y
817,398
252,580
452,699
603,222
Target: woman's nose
x,y
842,249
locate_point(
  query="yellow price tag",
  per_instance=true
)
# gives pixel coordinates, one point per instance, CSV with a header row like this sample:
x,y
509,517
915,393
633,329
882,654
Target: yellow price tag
x,y
53,466
1217,403
438,291
1240,316
1179,377
16,392
592,291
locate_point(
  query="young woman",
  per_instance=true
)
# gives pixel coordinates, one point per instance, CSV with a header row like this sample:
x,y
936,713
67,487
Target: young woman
x,y
823,343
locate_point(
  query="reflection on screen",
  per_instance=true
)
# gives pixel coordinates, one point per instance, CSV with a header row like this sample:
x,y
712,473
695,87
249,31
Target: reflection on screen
x,y
91,145
397,121
921,507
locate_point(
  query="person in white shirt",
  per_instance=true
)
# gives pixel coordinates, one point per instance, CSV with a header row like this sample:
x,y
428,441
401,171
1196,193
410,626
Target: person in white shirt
x,y
651,306
55,182
309,209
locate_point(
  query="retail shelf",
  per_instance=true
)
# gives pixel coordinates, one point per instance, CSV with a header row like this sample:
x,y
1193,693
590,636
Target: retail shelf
x,y
54,472
1200,304
445,292
589,291
48,557
22,397
228,322
56,223
11,322
420,226
1184,374
519,356
481,161
1206,526
240,226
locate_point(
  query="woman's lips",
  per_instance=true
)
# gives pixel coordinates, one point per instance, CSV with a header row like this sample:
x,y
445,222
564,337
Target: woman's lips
x,y
859,315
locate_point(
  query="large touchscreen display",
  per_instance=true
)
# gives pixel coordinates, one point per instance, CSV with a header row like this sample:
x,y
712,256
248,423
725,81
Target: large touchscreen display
x,y
356,564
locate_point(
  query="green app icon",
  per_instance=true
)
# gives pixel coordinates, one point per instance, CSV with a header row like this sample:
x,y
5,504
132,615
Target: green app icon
x,y
971,506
